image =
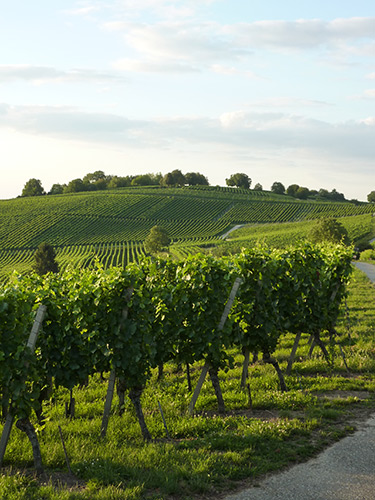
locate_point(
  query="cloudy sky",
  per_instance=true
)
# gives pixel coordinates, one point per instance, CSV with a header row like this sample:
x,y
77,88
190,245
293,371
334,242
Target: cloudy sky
x,y
281,91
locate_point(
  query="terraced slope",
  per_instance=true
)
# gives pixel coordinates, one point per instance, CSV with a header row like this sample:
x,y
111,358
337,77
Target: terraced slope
x,y
111,225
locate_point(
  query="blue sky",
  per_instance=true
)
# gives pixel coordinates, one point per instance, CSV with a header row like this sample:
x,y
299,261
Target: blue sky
x,y
281,91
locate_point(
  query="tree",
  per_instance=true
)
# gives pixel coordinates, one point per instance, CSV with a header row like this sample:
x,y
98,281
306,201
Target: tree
x,y
157,240
174,178
57,189
292,189
258,187
33,187
278,188
117,182
239,180
75,186
94,177
45,259
196,179
371,197
329,229
302,193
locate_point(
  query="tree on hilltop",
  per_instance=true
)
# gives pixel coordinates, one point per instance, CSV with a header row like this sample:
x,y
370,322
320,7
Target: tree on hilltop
x,y
33,187
278,188
174,178
196,179
239,180
371,197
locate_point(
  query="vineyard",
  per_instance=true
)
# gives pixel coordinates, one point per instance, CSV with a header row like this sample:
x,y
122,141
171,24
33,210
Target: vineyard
x,y
146,315
146,319
111,226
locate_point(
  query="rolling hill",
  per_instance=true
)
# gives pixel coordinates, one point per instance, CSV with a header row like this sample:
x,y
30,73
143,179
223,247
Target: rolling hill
x,y
111,225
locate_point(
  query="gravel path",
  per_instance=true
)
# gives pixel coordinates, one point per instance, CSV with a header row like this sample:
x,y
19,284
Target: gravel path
x,y
344,471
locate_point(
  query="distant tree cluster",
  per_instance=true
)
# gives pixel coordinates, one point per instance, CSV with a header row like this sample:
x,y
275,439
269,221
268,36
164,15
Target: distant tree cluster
x,y
98,181
371,197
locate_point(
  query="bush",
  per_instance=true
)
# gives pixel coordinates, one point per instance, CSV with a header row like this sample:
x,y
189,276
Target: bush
x,y
368,255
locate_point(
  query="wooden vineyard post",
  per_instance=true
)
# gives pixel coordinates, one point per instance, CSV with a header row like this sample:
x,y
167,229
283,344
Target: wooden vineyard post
x,y
31,344
207,365
293,353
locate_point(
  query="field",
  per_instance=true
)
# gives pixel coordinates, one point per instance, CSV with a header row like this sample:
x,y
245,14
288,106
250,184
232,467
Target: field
x,y
359,227
208,454
112,225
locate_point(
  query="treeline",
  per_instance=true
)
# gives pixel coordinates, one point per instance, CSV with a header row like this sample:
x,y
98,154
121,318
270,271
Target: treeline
x,y
99,181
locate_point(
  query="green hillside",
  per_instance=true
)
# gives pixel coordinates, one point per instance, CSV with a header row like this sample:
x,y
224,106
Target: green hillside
x,y
111,225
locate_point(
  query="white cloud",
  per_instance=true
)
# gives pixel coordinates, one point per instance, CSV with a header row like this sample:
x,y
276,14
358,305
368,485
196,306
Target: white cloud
x,y
269,133
153,66
161,9
39,75
82,11
369,94
302,34
209,44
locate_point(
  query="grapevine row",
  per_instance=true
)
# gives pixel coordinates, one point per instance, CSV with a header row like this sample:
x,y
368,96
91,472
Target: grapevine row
x,y
173,309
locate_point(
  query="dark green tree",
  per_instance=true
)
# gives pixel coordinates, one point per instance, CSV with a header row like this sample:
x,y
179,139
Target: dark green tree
x,y
258,187
371,197
239,180
174,178
278,188
292,189
196,179
329,229
302,193
33,187
45,260
157,240
56,189
94,177
75,186
117,182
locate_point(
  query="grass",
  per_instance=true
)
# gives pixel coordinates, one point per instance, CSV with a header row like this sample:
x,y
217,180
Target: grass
x,y
208,454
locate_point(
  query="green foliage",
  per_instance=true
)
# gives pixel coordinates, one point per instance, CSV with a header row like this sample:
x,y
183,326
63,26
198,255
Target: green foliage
x,y
371,197
33,187
56,189
174,178
278,188
239,180
45,259
368,254
157,240
209,454
329,229
196,179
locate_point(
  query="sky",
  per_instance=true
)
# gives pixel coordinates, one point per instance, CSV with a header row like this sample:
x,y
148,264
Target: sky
x,y
280,91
